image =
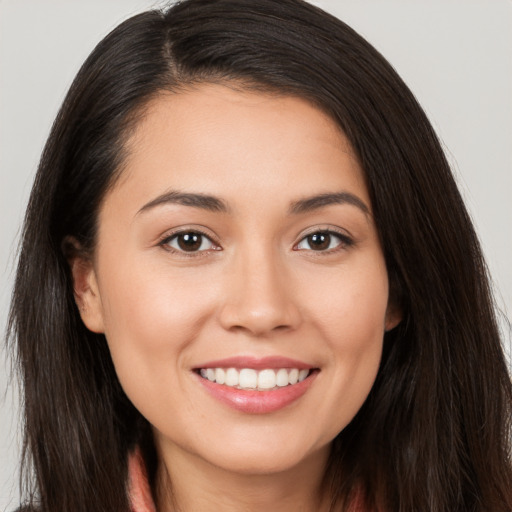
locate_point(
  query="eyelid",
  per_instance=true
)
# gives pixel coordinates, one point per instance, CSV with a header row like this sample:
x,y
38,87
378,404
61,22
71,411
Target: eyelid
x,y
347,240
164,240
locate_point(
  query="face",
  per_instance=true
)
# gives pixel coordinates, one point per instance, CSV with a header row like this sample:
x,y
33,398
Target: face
x,y
239,279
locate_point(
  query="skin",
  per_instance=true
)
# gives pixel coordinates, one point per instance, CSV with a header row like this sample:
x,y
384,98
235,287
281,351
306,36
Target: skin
x,y
259,289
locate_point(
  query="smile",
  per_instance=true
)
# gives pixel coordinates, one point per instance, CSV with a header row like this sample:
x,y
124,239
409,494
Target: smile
x,y
257,385
249,378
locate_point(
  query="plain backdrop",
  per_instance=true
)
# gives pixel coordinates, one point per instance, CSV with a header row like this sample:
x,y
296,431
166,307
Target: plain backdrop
x,y
456,56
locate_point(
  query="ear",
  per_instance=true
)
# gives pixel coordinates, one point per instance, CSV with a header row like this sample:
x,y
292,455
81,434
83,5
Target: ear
x,y
85,286
393,317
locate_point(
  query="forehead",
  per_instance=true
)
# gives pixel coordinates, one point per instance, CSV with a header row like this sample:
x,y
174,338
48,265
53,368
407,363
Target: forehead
x,y
218,140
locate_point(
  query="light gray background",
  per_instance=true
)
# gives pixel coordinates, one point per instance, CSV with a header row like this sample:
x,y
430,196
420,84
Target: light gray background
x,y
456,55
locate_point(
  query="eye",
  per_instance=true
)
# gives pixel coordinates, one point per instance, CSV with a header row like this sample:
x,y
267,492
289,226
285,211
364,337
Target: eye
x,y
189,241
323,241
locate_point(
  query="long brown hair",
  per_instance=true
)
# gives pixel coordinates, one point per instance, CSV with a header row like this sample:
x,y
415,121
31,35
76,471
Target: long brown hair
x,y
435,431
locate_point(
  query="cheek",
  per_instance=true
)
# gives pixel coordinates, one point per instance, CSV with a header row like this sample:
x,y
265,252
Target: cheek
x,y
351,316
357,327
350,305
150,305
150,320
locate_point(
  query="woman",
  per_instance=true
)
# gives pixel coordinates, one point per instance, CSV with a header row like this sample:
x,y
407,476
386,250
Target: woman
x,y
248,281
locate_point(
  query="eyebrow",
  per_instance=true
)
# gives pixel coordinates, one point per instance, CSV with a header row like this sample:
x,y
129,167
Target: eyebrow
x,y
215,204
319,201
202,201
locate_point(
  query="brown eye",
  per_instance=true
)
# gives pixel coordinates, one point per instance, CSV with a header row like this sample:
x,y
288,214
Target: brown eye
x,y
190,241
323,241
319,241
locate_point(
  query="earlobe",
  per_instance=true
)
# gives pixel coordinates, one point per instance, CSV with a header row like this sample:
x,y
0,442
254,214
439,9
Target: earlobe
x,y
85,289
393,317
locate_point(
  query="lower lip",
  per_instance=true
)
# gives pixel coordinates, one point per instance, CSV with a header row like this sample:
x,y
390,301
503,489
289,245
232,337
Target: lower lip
x,y
258,402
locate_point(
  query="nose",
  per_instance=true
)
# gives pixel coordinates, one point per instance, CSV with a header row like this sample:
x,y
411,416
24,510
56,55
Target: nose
x,y
259,298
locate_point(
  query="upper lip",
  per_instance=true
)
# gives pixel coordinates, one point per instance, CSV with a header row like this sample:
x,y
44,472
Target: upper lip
x,y
256,363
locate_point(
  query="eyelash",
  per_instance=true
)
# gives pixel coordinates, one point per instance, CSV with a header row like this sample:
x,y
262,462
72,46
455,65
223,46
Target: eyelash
x,y
164,243
344,242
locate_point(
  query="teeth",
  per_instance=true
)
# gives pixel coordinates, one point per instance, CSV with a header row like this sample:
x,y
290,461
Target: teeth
x,y
267,379
248,378
303,374
232,377
282,377
220,375
293,376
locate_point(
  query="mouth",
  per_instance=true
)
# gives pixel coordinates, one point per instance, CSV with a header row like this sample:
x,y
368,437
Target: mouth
x,y
256,386
252,379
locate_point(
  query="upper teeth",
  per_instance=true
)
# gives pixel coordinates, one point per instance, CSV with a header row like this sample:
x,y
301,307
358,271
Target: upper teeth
x,y
248,378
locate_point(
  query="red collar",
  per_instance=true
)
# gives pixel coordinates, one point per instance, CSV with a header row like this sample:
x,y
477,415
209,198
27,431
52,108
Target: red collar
x,y
138,485
140,492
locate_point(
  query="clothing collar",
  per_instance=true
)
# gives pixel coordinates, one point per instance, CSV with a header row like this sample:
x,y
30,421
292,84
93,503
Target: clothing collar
x,y
140,492
138,484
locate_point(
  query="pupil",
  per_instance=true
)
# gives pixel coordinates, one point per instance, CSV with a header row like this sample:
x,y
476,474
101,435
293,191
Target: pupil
x,y
189,241
319,241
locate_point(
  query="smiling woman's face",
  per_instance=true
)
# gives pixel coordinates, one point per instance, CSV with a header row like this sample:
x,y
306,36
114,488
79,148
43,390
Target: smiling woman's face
x,y
238,250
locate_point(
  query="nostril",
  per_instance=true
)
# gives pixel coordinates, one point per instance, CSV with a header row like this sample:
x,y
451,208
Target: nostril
x,y
259,310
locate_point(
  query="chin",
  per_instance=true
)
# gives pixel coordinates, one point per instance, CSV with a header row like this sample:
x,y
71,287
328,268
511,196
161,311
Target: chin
x,y
264,458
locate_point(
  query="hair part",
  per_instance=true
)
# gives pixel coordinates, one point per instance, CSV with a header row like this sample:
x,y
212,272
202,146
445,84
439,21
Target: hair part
x,y
434,433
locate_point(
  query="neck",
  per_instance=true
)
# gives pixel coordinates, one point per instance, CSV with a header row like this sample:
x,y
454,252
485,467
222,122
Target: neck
x,y
188,483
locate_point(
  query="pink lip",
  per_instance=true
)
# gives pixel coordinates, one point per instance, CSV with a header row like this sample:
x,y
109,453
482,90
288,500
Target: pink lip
x,y
253,401
258,402
257,363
